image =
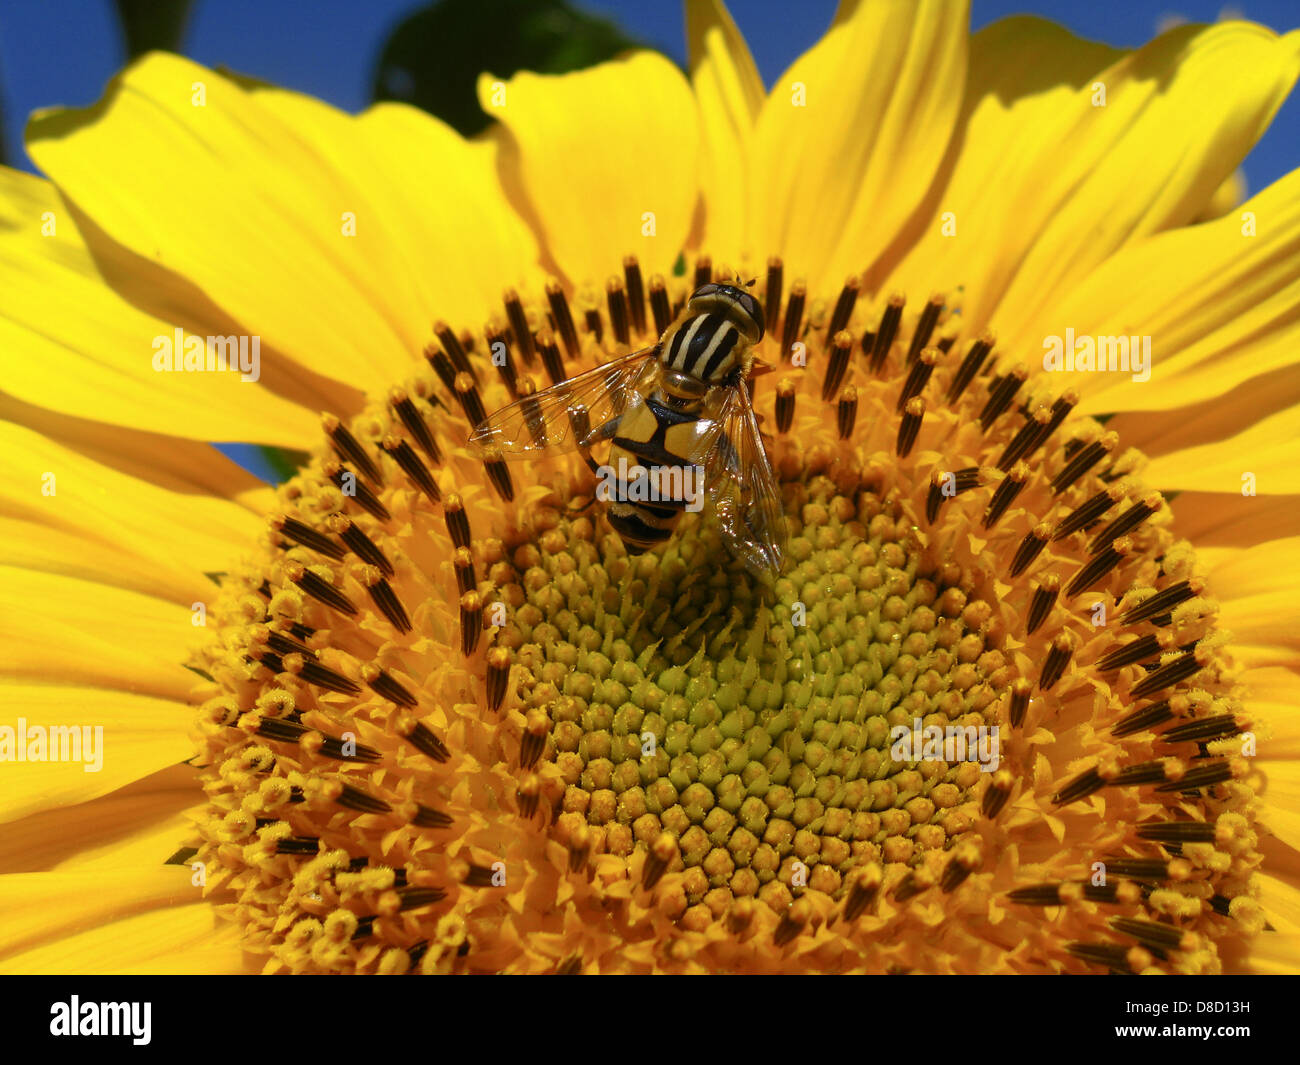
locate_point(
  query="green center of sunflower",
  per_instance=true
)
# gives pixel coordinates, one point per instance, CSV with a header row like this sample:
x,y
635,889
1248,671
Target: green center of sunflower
x,y
452,725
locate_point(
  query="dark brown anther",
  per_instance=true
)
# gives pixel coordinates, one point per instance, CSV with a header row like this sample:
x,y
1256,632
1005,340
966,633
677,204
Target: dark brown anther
x,y
970,366
281,643
1151,934
963,862
550,352
579,847
740,916
1080,787
595,325
385,686
298,845
323,677
862,891
635,292
945,484
1127,521
428,817
528,794
1026,438
356,799
1057,659
791,924
359,543
337,749
563,319
785,393
319,589
909,887
1005,494
441,365
533,742
1114,956
1001,393
1203,775
478,876
1146,717
1060,411
1090,511
619,318
455,350
909,427
1204,730
570,966
1138,650
1044,599
917,377
1037,895
1139,868
1155,772
1097,567
471,622
846,413
532,411
498,476
837,365
387,603
457,520
470,401
1018,705
1164,601
1179,669
412,465
657,859
793,319
1030,548
925,326
888,331
1083,460
659,305
307,536
463,562
996,794
421,737
843,310
1177,832
412,898
349,449
356,489
518,320
772,293
415,424
703,271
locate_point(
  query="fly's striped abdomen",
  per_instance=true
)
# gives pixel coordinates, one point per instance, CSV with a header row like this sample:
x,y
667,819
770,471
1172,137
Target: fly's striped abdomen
x,y
704,346
651,438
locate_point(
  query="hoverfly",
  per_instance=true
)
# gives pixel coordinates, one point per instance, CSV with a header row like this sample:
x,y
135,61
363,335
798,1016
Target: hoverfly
x,y
679,412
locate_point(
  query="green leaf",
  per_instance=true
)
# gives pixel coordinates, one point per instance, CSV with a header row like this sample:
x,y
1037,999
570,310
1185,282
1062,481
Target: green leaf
x,y
434,58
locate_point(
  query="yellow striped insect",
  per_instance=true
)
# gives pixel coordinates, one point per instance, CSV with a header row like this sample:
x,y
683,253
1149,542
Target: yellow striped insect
x,y
680,427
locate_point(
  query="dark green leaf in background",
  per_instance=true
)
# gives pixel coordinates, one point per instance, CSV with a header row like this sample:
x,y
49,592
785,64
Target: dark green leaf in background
x,y
433,58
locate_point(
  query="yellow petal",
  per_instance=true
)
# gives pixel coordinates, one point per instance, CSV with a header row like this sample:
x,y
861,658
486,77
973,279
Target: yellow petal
x,y
730,95
62,513
1280,813
131,736
222,191
1275,954
1259,594
1281,901
83,633
178,939
143,822
603,155
1274,701
81,348
1220,308
450,253
1261,459
852,135
1211,519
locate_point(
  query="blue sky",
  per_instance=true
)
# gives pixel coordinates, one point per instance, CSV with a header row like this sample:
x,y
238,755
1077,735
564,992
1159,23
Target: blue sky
x,y
63,51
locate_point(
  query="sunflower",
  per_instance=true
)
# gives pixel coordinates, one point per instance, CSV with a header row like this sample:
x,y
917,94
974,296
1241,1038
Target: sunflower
x,y
418,709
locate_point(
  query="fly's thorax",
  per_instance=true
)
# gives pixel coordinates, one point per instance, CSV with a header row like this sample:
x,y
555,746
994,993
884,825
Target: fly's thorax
x,y
706,346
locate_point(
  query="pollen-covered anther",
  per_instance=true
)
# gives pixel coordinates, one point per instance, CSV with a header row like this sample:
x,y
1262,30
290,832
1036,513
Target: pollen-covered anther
x,y
864,886
1043,600
382,684
792,922
1058,657
887,332
837,364
792,322
1005,494
909,426
533,742
918,377
1001,393
847,412
471,622
319,587
410,728
996,793
971,364
453,512
349,449
304,534
965,859
785,397
412,465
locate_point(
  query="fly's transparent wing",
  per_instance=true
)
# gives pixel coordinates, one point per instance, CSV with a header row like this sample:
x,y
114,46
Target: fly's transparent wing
x,y
740,484
573,414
